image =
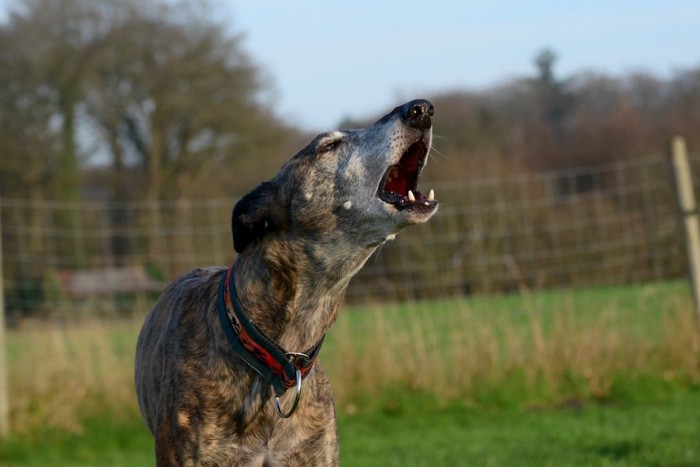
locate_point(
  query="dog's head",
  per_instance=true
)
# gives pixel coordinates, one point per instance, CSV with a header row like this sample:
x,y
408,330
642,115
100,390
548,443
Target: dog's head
x,y
350,188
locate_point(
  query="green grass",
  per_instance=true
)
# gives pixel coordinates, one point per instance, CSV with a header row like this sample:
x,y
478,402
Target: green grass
x,y
607,376
525,349
662,433
104,440
419,432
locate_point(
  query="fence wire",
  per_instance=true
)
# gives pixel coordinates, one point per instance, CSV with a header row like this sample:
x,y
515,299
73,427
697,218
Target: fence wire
x,y
608,224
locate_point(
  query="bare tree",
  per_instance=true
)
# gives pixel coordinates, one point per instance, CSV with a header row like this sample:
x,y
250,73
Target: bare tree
x,y
169,93
175,100
26,132
57,40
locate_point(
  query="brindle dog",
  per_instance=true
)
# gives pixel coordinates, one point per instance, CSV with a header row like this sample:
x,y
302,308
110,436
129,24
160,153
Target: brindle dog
x,y
300,238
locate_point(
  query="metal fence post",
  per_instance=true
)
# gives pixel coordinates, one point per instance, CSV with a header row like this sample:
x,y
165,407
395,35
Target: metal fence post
x,y
689,210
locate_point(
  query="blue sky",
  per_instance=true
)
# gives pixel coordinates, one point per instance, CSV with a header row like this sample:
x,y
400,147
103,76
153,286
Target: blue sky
x,y
331,59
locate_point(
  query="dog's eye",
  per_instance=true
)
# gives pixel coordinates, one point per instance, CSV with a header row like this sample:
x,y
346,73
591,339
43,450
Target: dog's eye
x,y
329,146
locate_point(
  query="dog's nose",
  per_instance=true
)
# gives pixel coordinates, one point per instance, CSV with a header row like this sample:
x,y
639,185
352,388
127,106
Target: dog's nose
x,y
418,114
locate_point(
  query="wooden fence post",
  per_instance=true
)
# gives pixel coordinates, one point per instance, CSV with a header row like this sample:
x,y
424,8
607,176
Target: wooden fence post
x,y
689,210
4,384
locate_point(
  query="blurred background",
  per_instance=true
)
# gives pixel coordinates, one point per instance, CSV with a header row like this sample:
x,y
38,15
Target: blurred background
x,y
544,316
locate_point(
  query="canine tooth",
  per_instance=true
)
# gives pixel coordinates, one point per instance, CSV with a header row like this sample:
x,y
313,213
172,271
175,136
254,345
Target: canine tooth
x,y
411,196
431,195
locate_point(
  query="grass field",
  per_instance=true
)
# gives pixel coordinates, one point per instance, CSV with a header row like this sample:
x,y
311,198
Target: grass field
x,y
665,432
609,376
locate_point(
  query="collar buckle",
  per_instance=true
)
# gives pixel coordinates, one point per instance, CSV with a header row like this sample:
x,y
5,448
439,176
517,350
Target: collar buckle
x,y
298,359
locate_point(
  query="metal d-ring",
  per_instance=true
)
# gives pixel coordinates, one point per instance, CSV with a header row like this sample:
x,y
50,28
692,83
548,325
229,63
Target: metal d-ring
x,y
296,399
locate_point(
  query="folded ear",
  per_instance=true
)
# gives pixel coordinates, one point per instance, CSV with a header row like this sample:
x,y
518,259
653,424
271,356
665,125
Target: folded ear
x,y
253,216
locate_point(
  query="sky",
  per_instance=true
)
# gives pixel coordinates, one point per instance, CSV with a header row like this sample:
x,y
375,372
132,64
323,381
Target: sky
x,y
330,60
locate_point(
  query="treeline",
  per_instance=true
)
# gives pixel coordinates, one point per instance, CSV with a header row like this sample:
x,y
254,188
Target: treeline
x,y
123,100
145,100
129,99
547,122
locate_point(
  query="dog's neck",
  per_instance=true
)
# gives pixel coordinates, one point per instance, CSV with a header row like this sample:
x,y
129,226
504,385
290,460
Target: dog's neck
x,y
292,294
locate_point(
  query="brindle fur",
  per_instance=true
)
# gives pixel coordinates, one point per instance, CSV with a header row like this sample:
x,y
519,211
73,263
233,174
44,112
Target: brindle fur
x,y
300,238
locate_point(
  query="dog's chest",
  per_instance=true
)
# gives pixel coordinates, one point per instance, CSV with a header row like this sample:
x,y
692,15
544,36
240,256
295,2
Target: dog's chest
x,y
285,443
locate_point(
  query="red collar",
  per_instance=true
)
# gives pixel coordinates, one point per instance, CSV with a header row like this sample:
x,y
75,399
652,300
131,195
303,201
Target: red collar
x,y
280,368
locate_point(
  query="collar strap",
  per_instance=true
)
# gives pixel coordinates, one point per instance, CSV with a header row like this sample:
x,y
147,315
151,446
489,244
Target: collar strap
x,y
277,366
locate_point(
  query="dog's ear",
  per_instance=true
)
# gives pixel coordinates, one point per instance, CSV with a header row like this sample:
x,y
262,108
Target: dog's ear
x,y
253,216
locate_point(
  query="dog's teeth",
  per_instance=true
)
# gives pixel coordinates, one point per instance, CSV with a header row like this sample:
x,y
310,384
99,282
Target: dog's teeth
x,y
431,195
411,196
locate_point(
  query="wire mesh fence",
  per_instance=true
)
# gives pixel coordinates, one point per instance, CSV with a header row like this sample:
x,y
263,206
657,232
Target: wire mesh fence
x,y
608,224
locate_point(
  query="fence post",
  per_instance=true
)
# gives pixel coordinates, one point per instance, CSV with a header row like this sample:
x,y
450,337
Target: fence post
x,y
689,210
4,384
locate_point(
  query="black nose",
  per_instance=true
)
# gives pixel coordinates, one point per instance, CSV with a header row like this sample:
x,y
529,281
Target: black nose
x,y
418,114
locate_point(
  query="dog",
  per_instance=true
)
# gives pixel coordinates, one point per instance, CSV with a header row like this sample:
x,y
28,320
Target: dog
x,y
214,382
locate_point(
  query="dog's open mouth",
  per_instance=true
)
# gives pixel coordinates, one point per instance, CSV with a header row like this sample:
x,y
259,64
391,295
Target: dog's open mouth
x,y
399,184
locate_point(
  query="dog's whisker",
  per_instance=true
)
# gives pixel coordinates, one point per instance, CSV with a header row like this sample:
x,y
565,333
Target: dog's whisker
x,y
434,150
377,252
438,152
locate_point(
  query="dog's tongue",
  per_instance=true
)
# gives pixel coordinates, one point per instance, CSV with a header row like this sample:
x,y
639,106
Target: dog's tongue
x,y
404,176
399,185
